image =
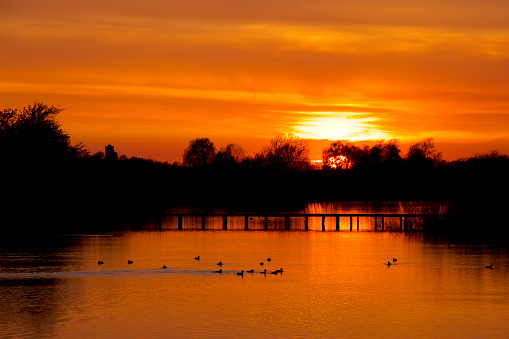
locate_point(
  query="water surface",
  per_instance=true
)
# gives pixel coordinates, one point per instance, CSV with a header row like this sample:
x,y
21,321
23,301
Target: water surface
x,y
334,284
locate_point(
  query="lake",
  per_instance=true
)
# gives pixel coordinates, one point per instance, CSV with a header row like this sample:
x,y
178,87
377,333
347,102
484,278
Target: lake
x,y
334,284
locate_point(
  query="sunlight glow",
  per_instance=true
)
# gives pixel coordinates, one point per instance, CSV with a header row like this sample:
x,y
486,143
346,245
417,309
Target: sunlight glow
x,y
339,162
339,126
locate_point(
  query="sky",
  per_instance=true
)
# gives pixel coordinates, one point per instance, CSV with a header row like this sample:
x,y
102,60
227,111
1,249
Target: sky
x,y
150,76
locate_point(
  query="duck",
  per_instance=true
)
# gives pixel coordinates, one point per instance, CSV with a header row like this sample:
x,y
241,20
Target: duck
x,y
197,258
261,264
220,271
394,259
280,270
388,263
129,262
274,272
100,262
264,271
269,259
220,263
490,266
241,273
164,266
250,271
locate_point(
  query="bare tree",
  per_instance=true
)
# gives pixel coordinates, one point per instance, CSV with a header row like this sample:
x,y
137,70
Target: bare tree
x,y
424,150
286,151
341,155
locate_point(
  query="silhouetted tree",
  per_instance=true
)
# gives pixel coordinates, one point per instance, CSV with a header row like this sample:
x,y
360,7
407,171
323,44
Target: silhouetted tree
x,y
34,133
424,152
341,155
199,153
229,156
286,151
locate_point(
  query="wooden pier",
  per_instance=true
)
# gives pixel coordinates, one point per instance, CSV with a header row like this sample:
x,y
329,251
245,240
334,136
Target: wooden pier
x,y
378,219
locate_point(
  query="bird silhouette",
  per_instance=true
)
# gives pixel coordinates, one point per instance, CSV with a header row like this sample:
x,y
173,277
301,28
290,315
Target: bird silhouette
x,y
394,259
490,266
197,258
129,262
100,262
220,263
220,271
241,273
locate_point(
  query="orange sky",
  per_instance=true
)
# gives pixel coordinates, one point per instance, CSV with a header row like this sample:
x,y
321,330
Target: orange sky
x,y
149,76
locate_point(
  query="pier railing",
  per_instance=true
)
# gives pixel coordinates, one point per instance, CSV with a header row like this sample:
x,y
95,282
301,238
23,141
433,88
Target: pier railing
x,y
378,218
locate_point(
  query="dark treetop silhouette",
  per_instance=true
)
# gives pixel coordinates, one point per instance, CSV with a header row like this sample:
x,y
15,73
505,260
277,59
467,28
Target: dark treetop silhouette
x,y
51,183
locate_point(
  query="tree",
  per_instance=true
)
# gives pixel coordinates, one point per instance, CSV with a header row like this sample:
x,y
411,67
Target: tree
x,y
424,152
199,153
230,156
34,133
286,151
341,155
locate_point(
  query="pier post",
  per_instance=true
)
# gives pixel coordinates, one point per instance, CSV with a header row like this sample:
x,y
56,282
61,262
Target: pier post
x,y
179,222
357,223
306,222
337,223
383,222
203,222
401,223
266,223
287,222
323,223
376,225
351,223
246,222
225,222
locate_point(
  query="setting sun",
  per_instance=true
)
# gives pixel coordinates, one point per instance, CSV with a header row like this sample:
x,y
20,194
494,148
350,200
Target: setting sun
x,y
339,126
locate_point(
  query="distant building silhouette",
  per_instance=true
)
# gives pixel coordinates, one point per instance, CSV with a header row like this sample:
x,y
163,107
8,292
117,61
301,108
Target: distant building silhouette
x,y
109,153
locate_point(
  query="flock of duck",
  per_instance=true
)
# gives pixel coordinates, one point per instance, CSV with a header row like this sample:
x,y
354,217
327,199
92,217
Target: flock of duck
x,y
388,263
241,273
220,264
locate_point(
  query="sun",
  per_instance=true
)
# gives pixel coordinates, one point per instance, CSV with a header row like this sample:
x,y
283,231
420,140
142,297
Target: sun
x,y
339,126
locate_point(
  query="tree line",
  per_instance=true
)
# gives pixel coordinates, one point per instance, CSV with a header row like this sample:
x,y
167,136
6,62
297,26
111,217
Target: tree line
x,y
33,133
46,177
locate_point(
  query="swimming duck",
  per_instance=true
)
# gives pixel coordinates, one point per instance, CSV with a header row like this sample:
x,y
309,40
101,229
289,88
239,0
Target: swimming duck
x,y
264,271
490,266
261,263
100,262
197,258
241,273
269,259
220,271
280,270
250,271
220,263
388,263
164,266
394,259
129,262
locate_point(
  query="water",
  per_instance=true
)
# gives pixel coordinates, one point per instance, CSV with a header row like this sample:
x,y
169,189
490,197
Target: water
x,y
334,284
